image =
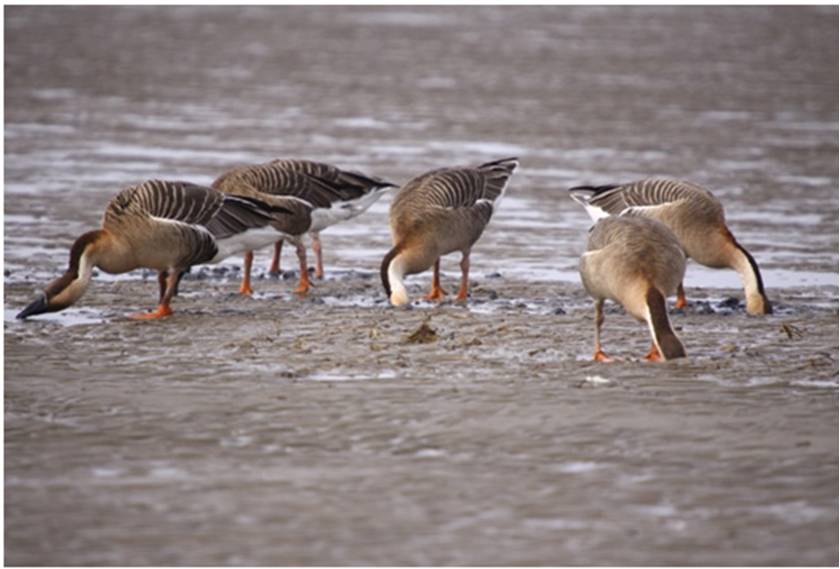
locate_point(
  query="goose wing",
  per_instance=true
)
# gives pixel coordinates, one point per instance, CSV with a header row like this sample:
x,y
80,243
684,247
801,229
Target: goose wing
x,y
644,196
194,217
189,204
347,185
454,188
320,185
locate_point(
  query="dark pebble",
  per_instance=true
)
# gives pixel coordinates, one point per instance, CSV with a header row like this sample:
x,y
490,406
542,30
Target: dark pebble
x,y
730,302
704,308
7,272
289,275
558,311
493,275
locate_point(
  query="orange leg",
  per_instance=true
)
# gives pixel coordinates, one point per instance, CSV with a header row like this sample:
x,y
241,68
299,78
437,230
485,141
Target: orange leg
x,y
163,310
245,287
436,293
681,302
653,355
161,285
319,262
304,284
274,269
599,355
464,290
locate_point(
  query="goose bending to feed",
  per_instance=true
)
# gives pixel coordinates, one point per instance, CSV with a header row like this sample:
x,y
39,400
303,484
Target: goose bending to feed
x,y
636,262
437,213
329,194
166,226
696,218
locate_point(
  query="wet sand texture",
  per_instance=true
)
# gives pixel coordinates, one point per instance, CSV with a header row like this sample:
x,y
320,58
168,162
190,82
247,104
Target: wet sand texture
x,y
336,430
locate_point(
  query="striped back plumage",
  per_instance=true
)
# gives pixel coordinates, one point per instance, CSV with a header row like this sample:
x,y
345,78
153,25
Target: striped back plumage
x,y
176,201
457,187
193,206
319,184
613,199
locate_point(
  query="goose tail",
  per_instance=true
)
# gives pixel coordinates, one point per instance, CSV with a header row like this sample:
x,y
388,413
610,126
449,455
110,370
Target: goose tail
x,y
584,196
498,173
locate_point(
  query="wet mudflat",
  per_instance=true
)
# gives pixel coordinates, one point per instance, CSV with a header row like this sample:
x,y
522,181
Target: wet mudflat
x,y
279,430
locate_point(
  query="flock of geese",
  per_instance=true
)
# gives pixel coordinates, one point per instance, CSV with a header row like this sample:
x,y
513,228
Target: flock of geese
x,y
635,254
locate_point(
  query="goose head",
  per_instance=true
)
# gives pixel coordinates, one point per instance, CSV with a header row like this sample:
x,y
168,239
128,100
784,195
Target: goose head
x,y
69,287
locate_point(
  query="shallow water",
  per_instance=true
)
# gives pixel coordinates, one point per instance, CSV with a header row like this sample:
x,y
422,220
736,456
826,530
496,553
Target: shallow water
x,y
276,430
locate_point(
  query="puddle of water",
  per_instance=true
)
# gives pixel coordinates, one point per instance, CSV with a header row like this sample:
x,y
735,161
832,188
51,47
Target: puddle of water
x,y
342,375
68,317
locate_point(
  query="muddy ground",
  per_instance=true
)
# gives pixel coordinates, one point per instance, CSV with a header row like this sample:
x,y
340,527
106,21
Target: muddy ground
x,y
287,431
336,430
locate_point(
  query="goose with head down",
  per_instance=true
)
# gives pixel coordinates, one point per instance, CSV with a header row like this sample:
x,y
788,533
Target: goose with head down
x,y
636,262
161,225
327,195
694,215
437,213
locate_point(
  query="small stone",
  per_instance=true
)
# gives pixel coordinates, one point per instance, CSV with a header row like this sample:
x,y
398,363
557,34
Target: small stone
x,y
704,307
729,302
493,275
559,311
424,334
791,331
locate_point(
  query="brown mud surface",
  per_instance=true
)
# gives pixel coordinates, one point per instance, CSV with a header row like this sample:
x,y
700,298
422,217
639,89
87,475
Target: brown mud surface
x,y
337,430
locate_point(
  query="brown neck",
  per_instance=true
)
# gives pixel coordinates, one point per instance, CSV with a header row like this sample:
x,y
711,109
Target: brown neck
x,y
746,267
84,255
386,264
660,326
90,242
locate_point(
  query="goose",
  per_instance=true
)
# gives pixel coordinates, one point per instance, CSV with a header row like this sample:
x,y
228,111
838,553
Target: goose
x,y
636,262
694,215
162,225
331,194
437,213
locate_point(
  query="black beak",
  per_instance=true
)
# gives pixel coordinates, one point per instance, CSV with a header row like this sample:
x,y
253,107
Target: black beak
x,y
37,307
